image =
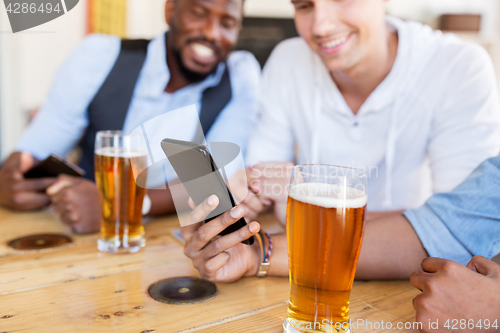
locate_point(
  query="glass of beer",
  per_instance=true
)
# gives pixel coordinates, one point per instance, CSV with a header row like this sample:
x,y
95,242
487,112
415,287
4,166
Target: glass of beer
x,y
325,220
118,157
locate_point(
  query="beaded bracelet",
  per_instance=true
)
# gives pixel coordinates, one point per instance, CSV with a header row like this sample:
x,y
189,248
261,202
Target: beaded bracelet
x,y
264,266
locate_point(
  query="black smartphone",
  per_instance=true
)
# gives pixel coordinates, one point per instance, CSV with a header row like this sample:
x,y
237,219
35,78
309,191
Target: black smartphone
x,y
53,166
199,174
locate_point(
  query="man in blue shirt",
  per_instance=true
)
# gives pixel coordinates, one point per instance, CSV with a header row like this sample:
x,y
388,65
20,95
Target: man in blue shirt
x,y
179,67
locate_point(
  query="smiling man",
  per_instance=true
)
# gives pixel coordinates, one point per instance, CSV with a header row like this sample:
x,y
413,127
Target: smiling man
x,y
415,108
109,84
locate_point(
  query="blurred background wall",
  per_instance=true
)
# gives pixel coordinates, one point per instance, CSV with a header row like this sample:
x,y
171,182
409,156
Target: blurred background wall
x,y
29,60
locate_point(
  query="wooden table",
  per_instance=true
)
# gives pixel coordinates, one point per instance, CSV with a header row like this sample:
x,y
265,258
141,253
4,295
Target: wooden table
x,y
75,288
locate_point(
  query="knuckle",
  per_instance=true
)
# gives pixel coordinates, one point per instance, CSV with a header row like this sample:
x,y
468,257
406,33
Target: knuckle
x,y
225,220
217,246
79,229
449,267
202,235
243,232
16,201
75,218
187,252
209,268
476,259
431,284
16,186
185,235
424,304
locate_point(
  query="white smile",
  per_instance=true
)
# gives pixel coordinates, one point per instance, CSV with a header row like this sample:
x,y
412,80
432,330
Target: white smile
x,y
335,42
202,50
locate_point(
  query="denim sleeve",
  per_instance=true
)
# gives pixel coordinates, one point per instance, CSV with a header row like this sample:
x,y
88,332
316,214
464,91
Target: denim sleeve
x,y
464,222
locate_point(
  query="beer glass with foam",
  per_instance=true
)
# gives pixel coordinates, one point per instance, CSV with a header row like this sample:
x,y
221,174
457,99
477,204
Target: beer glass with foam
x,y
118,157
325,220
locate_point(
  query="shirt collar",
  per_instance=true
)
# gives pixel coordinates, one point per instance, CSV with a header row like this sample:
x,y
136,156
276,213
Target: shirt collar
x,y
155,74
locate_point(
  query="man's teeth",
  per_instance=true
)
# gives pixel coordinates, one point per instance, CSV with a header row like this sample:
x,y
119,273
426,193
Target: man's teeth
x,y
335,42
202,50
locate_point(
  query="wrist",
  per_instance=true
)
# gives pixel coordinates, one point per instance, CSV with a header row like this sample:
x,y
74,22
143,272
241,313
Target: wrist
x,y
256,257
266,245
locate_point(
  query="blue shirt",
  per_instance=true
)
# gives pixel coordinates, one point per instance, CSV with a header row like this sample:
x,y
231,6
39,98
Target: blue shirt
x,y
465,222
63,119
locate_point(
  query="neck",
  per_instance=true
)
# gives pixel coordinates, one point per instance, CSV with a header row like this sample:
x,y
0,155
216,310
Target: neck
x,y
177,79
357,83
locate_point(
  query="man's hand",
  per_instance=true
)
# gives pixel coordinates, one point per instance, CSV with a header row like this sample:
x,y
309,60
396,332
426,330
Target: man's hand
x,y
451,291
261,186
76,201
17,192
271,180
220,258
248,200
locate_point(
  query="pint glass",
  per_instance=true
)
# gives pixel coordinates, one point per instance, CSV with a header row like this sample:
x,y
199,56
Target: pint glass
x,y
117,156
325,220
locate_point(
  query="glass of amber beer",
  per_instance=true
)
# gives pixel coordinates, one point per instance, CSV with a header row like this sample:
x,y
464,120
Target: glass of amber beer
x,y
325,220
117,159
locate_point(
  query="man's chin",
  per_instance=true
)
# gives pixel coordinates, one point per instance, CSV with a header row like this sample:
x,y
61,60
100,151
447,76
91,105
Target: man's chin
x,y
338,65
194,71
200,68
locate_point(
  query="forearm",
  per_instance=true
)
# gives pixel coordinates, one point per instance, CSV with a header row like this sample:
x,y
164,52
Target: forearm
x,y
376,215
391,250
279,257
161,202
170,200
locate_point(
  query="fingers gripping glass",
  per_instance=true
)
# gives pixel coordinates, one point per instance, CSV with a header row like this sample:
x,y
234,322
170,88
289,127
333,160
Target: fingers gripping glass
x,y
199,174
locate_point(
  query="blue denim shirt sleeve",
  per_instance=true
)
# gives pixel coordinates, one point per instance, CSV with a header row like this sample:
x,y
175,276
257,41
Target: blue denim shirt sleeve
x,y
464,222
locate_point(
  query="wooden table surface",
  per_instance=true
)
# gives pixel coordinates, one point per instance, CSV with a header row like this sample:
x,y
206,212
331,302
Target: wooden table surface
x,y
75,288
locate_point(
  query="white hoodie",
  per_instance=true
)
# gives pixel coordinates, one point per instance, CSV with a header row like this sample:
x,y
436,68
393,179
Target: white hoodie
x,y
423,130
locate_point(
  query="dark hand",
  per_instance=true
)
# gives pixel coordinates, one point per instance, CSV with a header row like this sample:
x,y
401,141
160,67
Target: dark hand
x,y
17,192
220,259
76,201
452,291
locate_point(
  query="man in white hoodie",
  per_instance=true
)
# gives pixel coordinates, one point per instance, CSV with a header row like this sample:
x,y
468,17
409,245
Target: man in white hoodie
x,y
416,109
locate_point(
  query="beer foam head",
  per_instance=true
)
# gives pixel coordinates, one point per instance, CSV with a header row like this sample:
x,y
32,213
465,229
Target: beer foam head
x,y
328,195
119,152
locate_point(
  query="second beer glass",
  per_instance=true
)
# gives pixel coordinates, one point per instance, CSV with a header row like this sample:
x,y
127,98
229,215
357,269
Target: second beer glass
x,y
325,221
117,156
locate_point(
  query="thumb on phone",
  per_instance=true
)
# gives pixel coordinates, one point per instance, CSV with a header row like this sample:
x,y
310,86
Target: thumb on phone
x,y
61,183
26,161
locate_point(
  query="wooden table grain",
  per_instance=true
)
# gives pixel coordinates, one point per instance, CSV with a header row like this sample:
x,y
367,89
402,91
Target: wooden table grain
x,y
75,288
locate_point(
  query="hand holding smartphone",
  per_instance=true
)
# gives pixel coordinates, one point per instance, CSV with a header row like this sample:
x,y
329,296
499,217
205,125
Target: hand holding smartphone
x,y
199,174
